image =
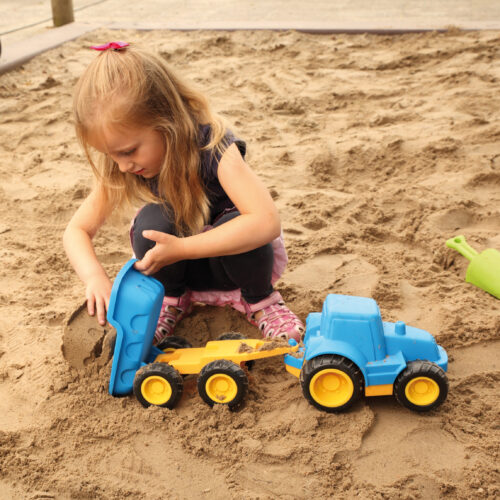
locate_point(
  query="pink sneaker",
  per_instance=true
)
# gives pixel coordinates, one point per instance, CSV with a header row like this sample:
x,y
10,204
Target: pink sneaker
x,y
172,311
276,320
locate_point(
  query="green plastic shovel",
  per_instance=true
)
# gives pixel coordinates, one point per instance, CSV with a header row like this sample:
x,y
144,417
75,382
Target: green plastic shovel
x,y
484,268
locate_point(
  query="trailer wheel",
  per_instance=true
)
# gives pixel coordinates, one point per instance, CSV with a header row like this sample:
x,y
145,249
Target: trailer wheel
x,y
331,383
231,336
237,336
421,386
108,345
158,384
174,342
222,382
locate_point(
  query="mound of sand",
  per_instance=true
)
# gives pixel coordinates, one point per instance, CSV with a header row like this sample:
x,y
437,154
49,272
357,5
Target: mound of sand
x,y
376,150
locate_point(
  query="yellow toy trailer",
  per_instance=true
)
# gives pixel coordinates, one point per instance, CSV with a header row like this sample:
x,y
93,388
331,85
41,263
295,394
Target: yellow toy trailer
x,y
220,364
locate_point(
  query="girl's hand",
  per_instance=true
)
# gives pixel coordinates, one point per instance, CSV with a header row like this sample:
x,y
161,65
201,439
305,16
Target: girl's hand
x,y
168,250
98,292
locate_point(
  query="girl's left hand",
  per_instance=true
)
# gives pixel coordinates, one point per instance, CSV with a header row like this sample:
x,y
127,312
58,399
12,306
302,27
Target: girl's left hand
x,y
168,250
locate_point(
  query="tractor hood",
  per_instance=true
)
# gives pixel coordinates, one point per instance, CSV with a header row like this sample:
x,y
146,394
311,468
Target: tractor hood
x,y
414,343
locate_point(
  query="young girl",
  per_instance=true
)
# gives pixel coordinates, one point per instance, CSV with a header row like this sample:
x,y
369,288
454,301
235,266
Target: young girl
x,y
207,223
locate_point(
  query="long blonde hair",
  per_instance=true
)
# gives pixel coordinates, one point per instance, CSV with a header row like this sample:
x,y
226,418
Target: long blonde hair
x,y
134,87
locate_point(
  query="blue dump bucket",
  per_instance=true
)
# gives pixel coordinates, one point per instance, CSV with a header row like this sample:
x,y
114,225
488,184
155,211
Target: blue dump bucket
x,y
134,309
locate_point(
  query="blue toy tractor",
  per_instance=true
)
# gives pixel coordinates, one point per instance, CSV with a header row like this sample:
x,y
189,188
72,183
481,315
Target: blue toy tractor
x,y
349,350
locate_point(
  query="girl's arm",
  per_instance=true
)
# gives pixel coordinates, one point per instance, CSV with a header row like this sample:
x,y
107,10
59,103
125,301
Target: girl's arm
x,y
77,241
258,224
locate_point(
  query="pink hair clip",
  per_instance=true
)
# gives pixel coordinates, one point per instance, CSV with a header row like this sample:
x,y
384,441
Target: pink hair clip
x,y
111,45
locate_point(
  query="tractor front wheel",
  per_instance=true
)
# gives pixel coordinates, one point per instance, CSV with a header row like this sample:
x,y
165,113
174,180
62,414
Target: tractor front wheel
x,y
421,386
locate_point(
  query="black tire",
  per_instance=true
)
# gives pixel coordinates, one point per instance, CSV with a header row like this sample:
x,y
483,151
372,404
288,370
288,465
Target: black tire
x,y
110,338
331,391
237,336
421,386
108,345
231,336
174,342
222,382
158,384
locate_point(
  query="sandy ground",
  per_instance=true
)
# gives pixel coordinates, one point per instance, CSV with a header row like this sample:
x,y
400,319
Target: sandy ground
x,y
21,20
376,150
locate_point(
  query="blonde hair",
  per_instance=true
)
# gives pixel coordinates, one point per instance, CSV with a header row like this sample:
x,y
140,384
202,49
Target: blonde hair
x,y
134,87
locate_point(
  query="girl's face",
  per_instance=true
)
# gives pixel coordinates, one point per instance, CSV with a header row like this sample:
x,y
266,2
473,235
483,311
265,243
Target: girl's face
x,y
138,151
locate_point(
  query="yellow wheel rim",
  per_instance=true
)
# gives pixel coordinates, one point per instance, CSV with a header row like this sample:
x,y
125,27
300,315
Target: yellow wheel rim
x,y
221,388
156,390
422,391
331,388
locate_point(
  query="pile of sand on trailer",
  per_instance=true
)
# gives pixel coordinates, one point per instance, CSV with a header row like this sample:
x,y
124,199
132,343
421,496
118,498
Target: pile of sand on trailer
x,y
376,149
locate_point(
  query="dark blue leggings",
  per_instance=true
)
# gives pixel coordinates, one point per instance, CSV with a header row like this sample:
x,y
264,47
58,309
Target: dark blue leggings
x,y
251,271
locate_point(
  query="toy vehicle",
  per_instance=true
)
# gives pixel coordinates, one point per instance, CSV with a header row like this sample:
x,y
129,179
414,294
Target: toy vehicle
x,y
221,379
155,375
348,350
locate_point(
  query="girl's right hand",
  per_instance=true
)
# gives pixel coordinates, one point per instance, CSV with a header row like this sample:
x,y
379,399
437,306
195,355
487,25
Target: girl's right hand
x,y
98,293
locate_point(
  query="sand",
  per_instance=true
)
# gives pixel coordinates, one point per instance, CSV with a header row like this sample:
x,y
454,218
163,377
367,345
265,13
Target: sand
x,y
376,150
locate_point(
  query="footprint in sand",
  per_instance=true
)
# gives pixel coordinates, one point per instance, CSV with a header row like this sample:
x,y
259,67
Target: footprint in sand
x,y
489,181
17,189
347,274
475,360
415,307
453,220
457,219
85,341
411,436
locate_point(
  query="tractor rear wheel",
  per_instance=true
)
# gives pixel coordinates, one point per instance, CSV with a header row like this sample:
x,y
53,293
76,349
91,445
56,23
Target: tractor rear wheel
x,y
331,383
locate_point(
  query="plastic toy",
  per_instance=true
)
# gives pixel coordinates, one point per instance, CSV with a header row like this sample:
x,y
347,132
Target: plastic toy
x,y
484,268
348,350
134,308
221,379
155,375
